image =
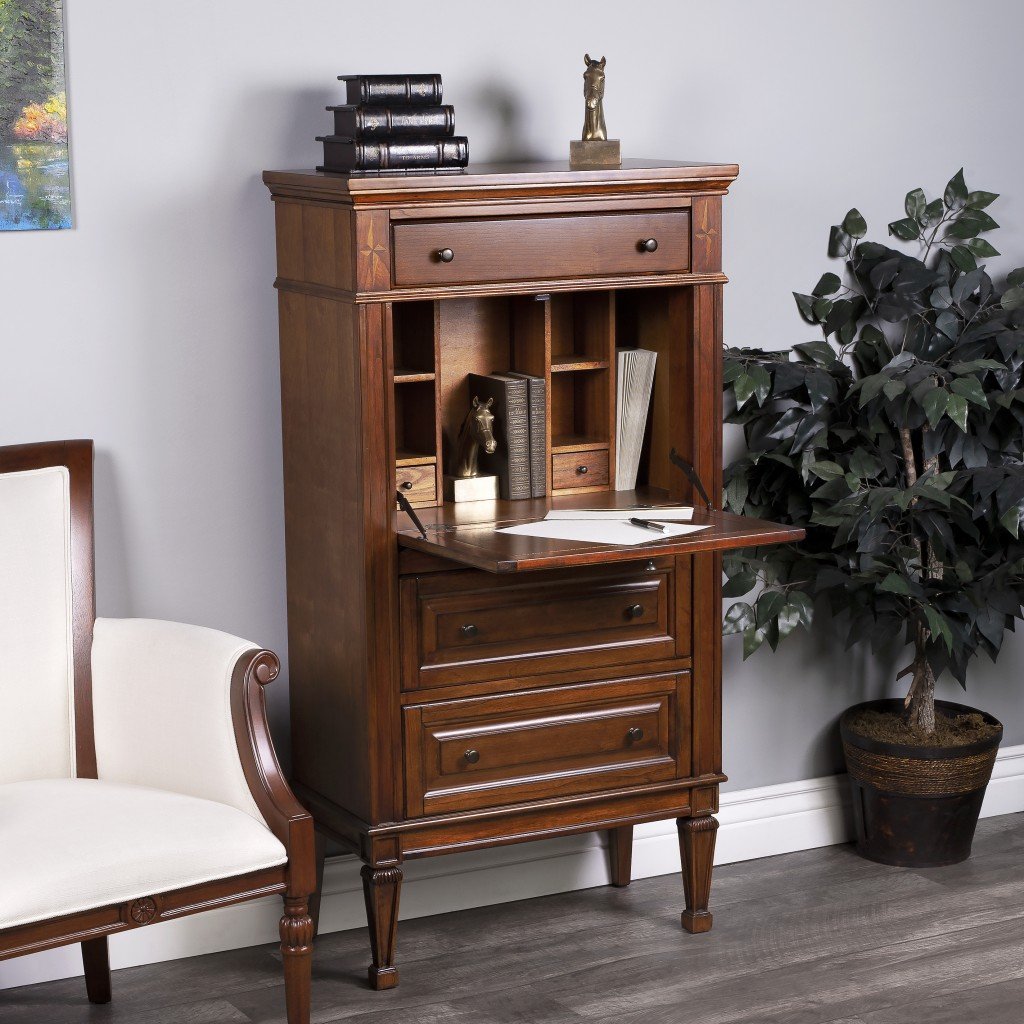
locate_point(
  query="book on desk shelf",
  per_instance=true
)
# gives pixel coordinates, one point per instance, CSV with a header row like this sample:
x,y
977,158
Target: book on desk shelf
x,y
418,90
409,153
537,392
369,123
633,386
510,462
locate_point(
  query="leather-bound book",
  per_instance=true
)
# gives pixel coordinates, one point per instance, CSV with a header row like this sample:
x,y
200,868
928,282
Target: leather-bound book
x,y
510,462
421,90
537,393
343,154
372,123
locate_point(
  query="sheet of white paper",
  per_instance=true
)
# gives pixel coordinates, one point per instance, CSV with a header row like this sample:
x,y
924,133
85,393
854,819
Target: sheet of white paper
x,y
598,532
670,513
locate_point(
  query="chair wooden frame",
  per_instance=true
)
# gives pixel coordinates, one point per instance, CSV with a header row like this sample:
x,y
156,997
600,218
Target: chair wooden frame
x,y
287,819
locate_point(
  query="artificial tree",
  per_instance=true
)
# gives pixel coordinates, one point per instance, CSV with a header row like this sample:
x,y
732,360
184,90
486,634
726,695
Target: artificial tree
x,y
897,442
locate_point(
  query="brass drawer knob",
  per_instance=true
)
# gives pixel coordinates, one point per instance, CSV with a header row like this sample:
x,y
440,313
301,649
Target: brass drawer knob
x,y
635,734
582,470
469,630
472,756
634,611
406,485
648,245
447,255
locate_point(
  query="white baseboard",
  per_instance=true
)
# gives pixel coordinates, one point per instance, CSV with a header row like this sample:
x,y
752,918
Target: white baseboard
x,y
754,823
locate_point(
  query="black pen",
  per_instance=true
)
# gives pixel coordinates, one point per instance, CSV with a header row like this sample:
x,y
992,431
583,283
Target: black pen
x,y
648,525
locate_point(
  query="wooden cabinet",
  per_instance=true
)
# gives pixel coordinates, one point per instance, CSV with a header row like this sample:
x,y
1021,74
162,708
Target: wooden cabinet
x,y
471,688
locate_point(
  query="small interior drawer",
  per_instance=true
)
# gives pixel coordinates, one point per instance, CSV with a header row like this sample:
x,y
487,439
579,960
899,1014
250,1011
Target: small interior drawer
x,y
417,483
485,249
570,470
470,626
490,751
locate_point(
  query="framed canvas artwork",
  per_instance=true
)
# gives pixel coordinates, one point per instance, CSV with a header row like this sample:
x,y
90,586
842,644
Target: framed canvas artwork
x,y
35,177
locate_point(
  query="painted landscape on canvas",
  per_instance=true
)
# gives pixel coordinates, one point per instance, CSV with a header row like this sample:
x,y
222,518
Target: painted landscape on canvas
x,y
35,179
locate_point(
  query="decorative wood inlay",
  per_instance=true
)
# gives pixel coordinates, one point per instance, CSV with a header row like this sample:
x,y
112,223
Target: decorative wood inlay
x,y
142,911
374,253
707,234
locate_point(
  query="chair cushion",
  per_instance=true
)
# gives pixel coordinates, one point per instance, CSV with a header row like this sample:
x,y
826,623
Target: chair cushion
x,y
68,845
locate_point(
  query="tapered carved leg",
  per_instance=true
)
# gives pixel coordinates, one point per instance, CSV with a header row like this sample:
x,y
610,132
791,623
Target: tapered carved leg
x,y
297,951
697,852
382,887
620,853
320,856
97,969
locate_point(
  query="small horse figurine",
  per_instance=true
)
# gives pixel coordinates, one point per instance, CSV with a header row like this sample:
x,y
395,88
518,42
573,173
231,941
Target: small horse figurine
x,y
593,92
477,432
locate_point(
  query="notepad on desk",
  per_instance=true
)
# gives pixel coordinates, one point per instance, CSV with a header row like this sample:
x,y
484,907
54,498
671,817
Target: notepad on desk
x,y
618,532
660,513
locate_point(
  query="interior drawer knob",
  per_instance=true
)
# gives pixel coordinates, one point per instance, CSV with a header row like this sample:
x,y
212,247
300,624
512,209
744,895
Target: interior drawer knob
x,y
406,485
447,255
634,611
582,470
648,245
469,630
472,756
635,734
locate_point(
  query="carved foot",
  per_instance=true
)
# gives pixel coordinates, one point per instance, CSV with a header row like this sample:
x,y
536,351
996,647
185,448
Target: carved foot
x,y
297,952
620,854
697,853
381,888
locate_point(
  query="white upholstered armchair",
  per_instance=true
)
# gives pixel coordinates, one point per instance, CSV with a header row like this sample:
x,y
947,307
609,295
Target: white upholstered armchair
x,y
138,782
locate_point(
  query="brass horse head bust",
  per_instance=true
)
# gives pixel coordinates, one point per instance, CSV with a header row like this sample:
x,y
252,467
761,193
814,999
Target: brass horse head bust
x,y
593,92
477,432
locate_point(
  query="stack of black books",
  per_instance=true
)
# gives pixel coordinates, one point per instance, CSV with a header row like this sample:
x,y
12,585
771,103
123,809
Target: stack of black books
x,y
393,123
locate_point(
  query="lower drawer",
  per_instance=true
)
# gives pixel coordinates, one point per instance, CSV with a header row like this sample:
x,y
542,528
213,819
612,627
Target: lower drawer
x,y
564,741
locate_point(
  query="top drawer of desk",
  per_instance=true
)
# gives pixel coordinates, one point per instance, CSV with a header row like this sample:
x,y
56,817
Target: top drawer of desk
x,y
541,248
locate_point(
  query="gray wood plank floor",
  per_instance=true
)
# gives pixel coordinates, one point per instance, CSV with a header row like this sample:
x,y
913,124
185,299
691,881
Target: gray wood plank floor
x,y
821,937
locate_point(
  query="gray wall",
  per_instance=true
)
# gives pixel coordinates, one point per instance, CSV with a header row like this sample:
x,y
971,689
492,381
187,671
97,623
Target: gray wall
x,y
152,325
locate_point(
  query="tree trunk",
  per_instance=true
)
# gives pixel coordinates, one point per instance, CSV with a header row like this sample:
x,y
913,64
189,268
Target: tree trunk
x,y
920,701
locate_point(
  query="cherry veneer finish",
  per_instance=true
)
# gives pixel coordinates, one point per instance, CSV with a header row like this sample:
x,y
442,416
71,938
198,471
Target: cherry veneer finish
x,y
295,880
470,688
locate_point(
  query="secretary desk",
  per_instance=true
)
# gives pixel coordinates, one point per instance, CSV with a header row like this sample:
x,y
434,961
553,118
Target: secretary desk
x,y
469,688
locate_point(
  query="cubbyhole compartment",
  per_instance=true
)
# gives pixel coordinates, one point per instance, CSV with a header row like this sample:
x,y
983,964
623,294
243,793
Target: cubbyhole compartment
x,y
582,407
415,423
414,339
582,331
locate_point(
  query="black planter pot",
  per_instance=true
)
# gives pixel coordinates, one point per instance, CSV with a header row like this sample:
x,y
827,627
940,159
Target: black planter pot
x,y
916,807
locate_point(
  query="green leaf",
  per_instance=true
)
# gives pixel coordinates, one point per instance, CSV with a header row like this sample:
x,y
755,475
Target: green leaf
x,y
915,203
738,584
1013,298
938,626
743,389
963,258
979,200
762,382
839,242
736,496
805,303
789,619
941,297
955,196
1015,277
934,404
893,389
854,224
956,409
752,639
907,229
948,324
971,389
963,572
932,213
769,604
739,617
981,248
803,605
894,584
825,469
828,284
